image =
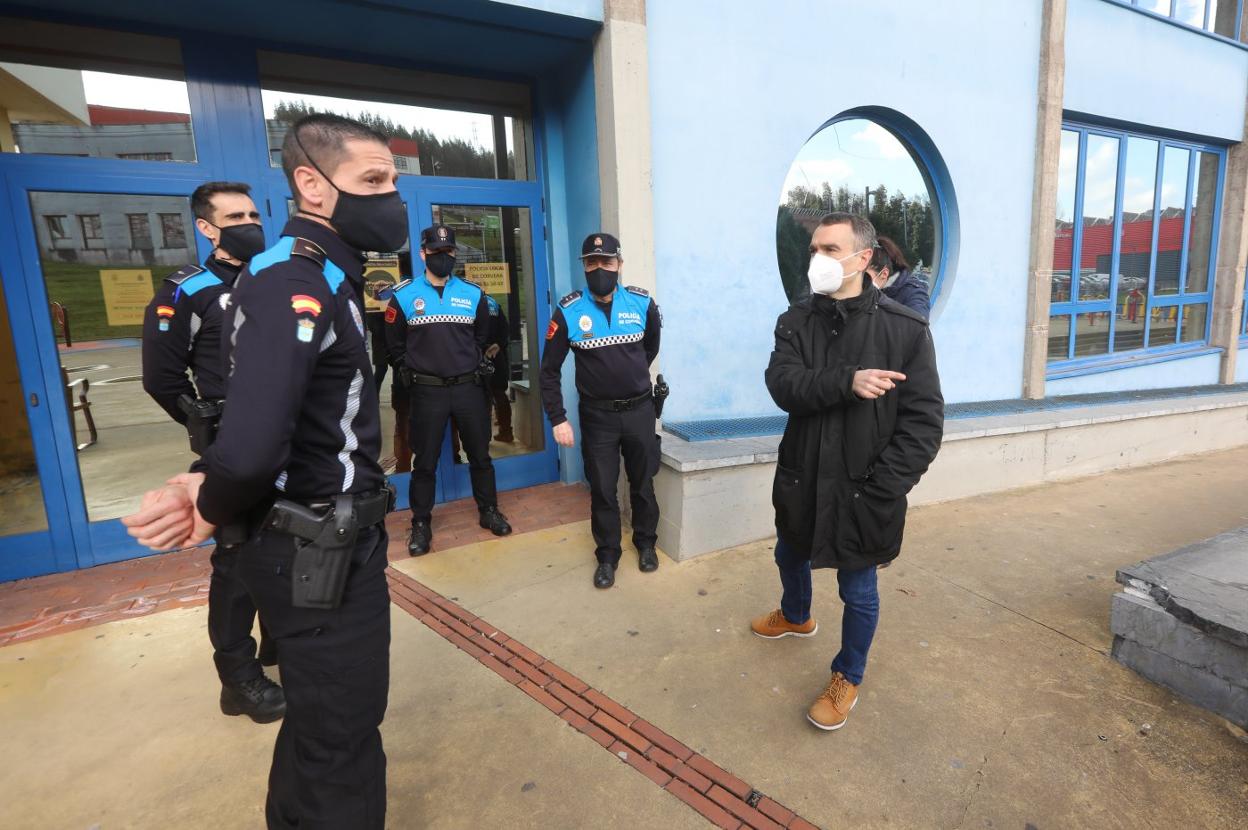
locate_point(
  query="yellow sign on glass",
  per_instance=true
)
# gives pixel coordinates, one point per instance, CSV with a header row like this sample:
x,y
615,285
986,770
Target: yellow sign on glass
x,y
491,276
380,272
126,295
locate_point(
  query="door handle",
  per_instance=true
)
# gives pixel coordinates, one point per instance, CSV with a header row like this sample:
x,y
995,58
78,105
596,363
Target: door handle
x,y
34,399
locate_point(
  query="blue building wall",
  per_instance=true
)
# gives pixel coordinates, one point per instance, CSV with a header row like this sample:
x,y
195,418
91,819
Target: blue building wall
x,y
735,96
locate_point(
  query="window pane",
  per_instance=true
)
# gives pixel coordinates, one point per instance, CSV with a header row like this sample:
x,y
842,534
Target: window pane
x,y
1194,319
103,292
1224,18
1064,229
856,166
1159,6
1091,334
1135,245
1059,337
19,477
1170,233
1199,246
1100,190
1191,12
1164,327
120,95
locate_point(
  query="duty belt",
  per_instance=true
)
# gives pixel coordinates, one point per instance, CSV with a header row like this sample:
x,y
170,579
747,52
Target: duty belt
x,y
434,380
623,405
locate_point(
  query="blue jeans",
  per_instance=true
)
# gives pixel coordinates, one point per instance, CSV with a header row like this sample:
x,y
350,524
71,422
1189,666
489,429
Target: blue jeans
x,y
858,591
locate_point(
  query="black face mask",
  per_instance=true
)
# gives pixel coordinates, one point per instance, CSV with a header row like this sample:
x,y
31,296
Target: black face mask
x,y
376,222
441,264
601,282
241,241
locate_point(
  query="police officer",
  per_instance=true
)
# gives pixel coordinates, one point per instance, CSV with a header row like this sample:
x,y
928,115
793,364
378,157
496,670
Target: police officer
x,y
614,335
181,331
437,326
297,457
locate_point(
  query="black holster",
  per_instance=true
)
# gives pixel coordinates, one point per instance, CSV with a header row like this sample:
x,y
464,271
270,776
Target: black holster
x,y
325,542
661,391
202,420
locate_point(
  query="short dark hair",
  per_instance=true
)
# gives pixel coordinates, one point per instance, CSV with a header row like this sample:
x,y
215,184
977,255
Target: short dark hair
x,y
322,136
864,231
888,255
201,199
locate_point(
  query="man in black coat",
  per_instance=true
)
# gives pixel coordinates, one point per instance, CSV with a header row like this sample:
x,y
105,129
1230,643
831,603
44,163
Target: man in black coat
x,y
857,374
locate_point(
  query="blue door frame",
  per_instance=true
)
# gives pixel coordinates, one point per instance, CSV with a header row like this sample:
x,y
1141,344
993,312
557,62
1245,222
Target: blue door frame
x,y
231,143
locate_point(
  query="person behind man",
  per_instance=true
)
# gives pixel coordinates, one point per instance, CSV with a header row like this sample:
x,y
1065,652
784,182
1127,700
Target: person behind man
x,y
182,331
296,458
496,343
437,326
891,273
615,338
856,372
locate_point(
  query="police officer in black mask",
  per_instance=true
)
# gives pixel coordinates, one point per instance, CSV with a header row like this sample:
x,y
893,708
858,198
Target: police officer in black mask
x,y
296,460
181,332
613,333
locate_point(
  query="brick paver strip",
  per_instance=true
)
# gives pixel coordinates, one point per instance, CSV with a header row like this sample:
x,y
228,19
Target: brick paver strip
x,y
714,792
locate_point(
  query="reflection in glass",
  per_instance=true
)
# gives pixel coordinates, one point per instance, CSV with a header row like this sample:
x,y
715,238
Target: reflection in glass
x,y
495,250
98,295
1059,337
1159,6
1135,244
425,141
1224,17
1170,232
1199,248
1091,334
1164,328
856,166
20,490
70,112
1100,190
1064,229
1191,12
1195,317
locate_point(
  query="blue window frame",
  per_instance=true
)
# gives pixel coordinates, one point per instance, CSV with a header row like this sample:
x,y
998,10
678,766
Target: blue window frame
x,y
1135,248
1217,17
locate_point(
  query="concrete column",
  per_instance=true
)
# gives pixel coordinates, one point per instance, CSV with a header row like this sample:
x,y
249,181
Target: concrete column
x,y
622,92
1228,289
1044,194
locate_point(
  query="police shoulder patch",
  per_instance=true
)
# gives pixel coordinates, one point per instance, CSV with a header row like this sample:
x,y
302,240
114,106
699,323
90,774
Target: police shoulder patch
x,y
570,299
183,274
308,248
640,292
402,283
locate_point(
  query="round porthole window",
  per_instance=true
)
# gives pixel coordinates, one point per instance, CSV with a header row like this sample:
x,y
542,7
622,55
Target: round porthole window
x,y
878,164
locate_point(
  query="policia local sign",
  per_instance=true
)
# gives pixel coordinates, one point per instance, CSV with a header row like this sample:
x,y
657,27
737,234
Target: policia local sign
x,y
493,277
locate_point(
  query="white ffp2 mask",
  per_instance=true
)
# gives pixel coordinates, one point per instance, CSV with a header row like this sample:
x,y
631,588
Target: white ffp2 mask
x,y
826,274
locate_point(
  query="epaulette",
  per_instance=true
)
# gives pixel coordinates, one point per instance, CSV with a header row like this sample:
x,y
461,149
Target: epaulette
x,y
570,299
784,330
308,248
184,273
401,284
640,292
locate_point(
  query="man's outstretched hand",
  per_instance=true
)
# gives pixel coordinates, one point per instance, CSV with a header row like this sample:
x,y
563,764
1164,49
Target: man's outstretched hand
x,y
167,517
875,383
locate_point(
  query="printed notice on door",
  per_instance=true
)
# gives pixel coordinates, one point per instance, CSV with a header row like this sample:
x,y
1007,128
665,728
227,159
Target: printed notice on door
x,y
491,276
380,274
126,295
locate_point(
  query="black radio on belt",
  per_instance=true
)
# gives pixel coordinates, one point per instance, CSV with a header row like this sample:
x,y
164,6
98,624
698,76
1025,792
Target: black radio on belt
x,y
661,391
202,421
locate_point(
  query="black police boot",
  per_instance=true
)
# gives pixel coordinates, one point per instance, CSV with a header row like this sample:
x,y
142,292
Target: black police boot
x,y
604,576
267,653
495,522
260,699
419,539
647,560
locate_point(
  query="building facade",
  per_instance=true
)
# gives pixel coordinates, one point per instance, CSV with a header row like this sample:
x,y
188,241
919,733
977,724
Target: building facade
x,y
1081,228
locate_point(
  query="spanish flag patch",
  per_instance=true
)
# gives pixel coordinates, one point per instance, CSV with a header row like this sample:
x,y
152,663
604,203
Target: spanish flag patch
x,y
164,311
302,302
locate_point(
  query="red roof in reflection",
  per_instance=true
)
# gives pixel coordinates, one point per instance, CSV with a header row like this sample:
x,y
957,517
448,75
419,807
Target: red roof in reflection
x,y
404,147
1098,240
102,116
